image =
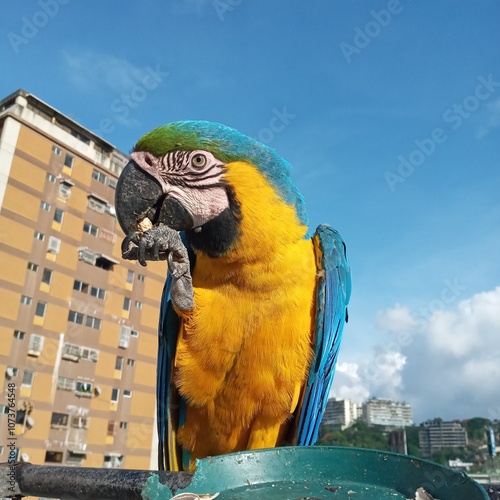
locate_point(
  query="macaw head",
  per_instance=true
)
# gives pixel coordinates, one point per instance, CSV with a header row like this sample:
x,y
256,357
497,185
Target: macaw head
x,y
177,176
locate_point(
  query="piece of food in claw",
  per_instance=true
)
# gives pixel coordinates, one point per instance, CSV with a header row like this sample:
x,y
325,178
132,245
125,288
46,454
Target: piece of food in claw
x,y
144,225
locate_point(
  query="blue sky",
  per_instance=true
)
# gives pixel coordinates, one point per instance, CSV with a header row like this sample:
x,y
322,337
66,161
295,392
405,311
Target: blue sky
x,y
349,92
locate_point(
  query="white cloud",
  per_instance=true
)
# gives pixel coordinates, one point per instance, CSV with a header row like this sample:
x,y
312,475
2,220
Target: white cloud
x,y
395,320
446,364
348,384
468,329
91,71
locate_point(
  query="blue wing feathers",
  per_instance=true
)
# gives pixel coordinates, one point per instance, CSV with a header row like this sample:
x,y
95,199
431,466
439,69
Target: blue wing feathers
x,y
332,296
168,330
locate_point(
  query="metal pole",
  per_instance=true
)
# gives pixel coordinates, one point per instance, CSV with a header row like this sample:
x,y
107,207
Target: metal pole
x,y
23,479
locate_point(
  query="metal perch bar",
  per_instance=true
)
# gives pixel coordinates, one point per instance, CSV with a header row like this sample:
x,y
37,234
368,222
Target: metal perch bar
x,y
23,479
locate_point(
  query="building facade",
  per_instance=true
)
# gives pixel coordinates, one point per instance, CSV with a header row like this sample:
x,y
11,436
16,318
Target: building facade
x,y
437,435
388,413
78,325
341,413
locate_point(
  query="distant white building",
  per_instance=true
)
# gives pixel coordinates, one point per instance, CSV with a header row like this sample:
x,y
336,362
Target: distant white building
x,y
386,412
437,435
341,413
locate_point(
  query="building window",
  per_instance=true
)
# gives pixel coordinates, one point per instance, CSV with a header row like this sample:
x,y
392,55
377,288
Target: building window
x,y
58,215
119,363
83,389
65,189
123,425
50,178
71,352
127,393
98,292
96,259
89,354
36,345
27,378
68,161
130,362
47,276
126,304
59,420
94,323
80,422
18,334
39,236
54,245
65,384
45,206
41,307
90,229
80,286
80,136
98,176
104,263
96,204
130,276
26,300
32,266
124,337
112,183
53,457
21,417
141,277
75,317
75,457
115,395
56,150
111,428
138,304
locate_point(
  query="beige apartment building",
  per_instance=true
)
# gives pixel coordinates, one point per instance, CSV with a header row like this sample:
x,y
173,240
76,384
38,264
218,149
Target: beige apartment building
x,y
78,325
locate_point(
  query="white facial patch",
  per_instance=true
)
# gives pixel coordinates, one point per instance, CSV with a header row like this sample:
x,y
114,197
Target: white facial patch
x,y
194,178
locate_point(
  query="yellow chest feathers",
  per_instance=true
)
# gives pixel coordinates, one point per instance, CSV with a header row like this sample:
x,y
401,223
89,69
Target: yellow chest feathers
x,y
247,343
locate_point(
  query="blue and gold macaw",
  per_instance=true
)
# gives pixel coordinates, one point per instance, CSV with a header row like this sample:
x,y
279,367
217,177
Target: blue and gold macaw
x,y
253,309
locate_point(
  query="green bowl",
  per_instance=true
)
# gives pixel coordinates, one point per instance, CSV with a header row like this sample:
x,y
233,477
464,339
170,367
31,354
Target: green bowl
x,y
323,472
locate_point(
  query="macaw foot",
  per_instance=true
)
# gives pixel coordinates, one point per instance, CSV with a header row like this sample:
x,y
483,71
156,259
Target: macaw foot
x,y
163,243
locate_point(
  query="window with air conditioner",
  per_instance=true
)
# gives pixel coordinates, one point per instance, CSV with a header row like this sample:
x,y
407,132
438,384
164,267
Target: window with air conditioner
x,y
54,245
36,345
65,189
71,352
124,337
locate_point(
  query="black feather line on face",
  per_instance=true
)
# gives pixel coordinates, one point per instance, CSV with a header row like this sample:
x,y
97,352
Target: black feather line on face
x,y
219,235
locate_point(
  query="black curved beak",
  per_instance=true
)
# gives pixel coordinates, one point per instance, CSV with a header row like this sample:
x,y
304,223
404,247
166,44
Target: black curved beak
x,y
136,194
139,195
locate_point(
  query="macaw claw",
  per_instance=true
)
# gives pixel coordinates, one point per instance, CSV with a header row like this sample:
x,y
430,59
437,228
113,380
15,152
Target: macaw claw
x,y
164,243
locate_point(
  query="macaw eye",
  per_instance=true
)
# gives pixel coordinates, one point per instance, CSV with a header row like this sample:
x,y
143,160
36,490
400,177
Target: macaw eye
x,y
198,161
